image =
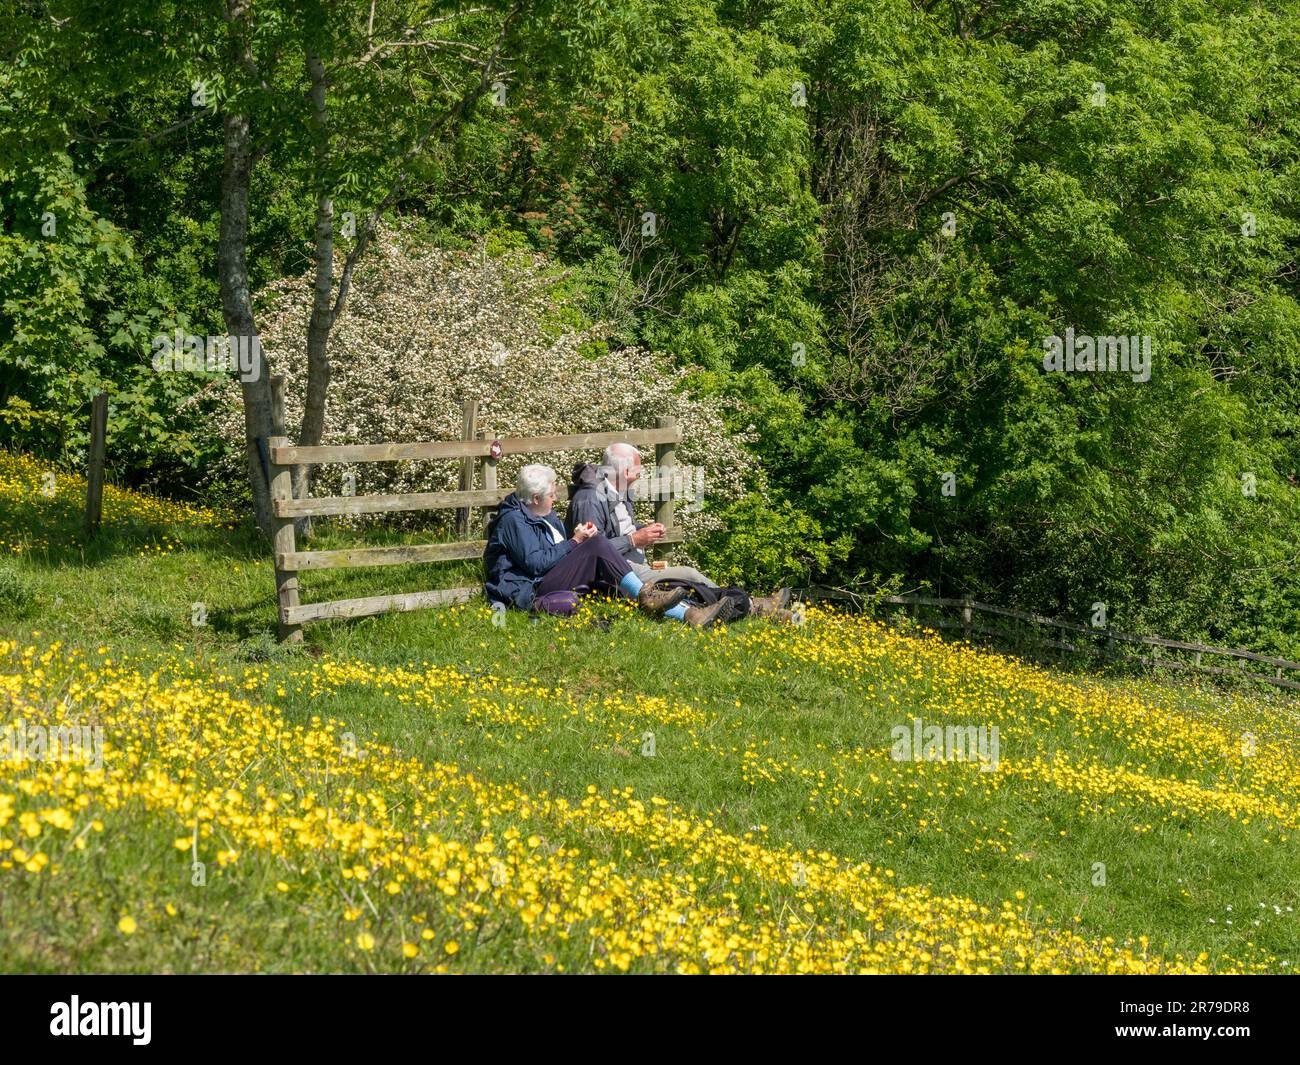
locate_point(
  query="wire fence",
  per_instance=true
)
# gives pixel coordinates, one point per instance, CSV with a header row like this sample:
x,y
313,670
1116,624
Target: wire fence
x,y
1027,631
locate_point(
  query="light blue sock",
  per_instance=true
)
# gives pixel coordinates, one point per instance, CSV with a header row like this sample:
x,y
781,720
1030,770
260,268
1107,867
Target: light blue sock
x,y
677,613
631,584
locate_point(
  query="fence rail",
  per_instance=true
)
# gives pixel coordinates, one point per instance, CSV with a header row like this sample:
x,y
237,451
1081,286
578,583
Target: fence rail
x,y
289,455
968,626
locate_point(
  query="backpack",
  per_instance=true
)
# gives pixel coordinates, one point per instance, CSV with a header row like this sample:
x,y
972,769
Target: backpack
x,y
703,595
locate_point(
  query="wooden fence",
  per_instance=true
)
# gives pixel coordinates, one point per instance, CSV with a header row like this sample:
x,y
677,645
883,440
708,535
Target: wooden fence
x,y
474,450
1105,640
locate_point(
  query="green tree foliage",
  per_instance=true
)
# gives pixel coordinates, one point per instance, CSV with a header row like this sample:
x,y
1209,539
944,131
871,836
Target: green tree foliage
x,y
973,179
75,320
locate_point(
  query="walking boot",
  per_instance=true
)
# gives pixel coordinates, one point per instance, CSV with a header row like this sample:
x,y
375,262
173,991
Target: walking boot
x,y
701,617
768,605
655,601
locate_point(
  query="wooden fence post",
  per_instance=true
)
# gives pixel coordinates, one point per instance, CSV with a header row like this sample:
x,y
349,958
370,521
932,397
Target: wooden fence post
x,y
302,526
95,470
286,581
665,458
489,473
965,619
469,430
277,405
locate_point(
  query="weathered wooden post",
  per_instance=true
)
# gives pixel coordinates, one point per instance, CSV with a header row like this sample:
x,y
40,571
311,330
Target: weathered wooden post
x,y
302,526
286,580
489,475
665,459
965,619
469,430
277,405
95,468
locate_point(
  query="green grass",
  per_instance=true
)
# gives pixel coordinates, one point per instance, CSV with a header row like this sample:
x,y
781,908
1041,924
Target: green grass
x,y
814,779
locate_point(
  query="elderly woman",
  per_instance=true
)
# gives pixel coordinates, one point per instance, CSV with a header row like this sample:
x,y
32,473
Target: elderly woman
x,y
531,564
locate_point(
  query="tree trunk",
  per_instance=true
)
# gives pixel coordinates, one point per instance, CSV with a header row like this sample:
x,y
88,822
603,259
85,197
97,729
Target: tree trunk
x,y
322,311
237,306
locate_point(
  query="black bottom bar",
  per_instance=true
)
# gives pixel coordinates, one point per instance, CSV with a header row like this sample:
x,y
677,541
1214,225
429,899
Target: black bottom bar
x,y
1223,1015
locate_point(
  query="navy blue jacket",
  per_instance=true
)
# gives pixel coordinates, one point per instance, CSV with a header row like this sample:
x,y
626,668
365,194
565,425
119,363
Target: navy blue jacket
x,y
519,552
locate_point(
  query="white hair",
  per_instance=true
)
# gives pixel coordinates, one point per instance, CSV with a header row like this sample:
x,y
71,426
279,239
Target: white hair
x,y
618,458
534,480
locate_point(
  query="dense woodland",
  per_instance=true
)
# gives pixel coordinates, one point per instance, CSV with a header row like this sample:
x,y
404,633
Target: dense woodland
x,y
849,225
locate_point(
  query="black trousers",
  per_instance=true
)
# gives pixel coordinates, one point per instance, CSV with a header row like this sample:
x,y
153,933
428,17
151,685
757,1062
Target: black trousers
x,y
592,565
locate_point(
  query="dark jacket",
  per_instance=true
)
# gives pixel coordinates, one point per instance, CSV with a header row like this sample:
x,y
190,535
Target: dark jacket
x,y
519,552
590,501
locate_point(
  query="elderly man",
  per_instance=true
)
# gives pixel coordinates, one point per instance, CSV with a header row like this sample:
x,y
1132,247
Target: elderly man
x,y
529,564
601,495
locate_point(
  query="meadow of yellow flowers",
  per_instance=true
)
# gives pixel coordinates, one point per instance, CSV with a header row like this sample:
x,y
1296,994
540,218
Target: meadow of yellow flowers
x,y
27,486
472,809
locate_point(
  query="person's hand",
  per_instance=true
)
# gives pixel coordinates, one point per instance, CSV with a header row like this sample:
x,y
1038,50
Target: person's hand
x,y
583,532
649,535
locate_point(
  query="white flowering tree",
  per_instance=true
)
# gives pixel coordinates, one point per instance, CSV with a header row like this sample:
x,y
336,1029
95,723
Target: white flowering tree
x,y
427,328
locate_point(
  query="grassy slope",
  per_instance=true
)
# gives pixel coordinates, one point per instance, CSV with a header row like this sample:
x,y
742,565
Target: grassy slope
x,y
771,747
